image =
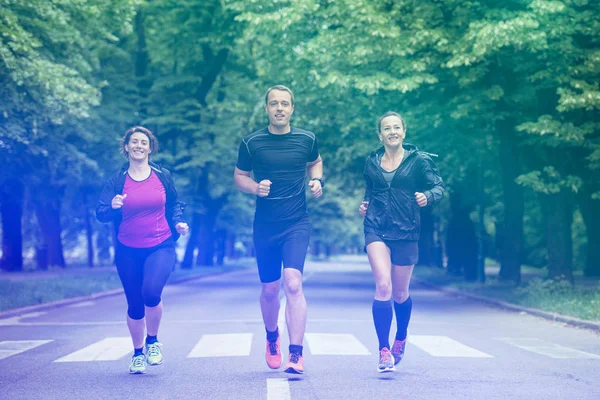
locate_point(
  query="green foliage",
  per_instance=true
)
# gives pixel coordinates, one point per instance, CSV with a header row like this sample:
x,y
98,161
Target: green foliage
x,y
75,74
549,181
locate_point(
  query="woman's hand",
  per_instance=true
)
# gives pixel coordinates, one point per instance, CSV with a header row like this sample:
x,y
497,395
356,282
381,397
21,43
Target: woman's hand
x,y
421,199
182,228
117,201
363,208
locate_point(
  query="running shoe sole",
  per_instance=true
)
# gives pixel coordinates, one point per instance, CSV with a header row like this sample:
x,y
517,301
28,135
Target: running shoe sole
x,y
137,372
292,370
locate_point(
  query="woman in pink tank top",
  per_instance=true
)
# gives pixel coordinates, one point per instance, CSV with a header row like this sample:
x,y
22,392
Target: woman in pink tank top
x,y
142,202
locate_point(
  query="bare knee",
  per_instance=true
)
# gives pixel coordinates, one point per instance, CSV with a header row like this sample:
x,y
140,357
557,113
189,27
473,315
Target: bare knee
x,y
270,291
383,290
293,287
400,296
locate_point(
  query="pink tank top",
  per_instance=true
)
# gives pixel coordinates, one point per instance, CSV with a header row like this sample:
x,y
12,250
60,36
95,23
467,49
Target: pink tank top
x,y
144,224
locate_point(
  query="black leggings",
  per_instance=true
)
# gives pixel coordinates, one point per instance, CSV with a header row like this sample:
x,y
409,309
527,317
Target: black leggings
x,y
144,274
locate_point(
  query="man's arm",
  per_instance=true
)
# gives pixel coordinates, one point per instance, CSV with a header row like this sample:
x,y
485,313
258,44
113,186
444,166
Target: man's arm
x,y
315,169
244,181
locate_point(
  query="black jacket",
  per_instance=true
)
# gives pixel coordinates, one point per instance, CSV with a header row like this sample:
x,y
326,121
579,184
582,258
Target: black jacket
x,y
173,208
393,212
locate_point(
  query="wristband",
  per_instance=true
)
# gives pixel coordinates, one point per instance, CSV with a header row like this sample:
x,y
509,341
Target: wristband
x,y
320,180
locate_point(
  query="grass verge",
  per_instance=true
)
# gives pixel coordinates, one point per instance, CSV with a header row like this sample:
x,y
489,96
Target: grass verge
x,y
40,288
579,301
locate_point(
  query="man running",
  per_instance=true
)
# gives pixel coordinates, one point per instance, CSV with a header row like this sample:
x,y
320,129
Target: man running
x,y
281,156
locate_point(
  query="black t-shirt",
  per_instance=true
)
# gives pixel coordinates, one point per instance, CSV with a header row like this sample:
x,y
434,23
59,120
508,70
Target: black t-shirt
x,y
282,160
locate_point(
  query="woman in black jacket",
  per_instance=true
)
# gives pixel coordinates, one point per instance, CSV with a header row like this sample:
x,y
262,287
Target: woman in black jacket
x,y
399,180
142,202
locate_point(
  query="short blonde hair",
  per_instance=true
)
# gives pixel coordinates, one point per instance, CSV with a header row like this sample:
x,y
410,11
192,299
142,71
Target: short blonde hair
x,y
279,87
390,114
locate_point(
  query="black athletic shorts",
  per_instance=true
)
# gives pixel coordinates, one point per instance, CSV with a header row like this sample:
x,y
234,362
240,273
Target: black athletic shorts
x,y
279,242
403,252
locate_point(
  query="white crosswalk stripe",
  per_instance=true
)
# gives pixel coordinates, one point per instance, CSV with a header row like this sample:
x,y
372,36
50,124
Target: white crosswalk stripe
x,y
223,345
108,349
443,346
548,349
11,347
335,344
278,389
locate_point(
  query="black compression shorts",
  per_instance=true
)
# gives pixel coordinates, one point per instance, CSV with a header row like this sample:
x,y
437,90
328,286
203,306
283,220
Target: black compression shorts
x,y
279,242
403,252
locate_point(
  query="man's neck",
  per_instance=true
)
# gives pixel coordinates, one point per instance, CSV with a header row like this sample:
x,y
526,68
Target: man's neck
x,y
280,131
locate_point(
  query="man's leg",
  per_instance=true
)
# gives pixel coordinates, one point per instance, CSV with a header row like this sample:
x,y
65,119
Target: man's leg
x,y
295,310
269,304
268,259
295,245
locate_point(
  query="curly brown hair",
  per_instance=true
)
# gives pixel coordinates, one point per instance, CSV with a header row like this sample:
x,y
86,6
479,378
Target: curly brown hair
x,y
140,129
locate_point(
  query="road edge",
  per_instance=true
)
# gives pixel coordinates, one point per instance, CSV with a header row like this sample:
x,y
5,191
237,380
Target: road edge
x,y
580,323
98,295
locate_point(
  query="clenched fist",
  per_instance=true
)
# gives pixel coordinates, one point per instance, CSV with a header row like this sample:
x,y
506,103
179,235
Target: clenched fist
x,y
421,199
117,201
264,188
182,228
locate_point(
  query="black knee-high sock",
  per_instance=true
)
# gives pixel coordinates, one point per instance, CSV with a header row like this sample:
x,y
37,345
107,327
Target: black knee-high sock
x,y
272,336
382,317
403,311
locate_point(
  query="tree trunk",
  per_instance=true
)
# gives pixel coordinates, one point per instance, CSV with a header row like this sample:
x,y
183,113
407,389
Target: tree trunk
x,y
514,203
11,211
188,258
558,211
426,244
221,240
103,241
590,211
206,240
89,233
48,214
142,60
230,251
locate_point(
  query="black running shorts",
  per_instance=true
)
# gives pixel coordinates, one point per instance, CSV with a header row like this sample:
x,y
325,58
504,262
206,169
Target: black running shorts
x,y
278,242
403,252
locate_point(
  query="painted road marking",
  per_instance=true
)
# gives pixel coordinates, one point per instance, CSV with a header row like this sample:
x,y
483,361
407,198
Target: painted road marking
x,y
443,346
548,349
16,320
342,344
107,349
11,347
82,304
281,322
278,389
223,345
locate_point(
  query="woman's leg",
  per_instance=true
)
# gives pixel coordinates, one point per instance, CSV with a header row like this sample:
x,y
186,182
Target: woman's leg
x,y
157,269
130,269
379,258
401,276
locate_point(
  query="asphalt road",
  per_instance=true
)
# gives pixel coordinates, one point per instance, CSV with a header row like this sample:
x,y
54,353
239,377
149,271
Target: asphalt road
x,y
214,345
